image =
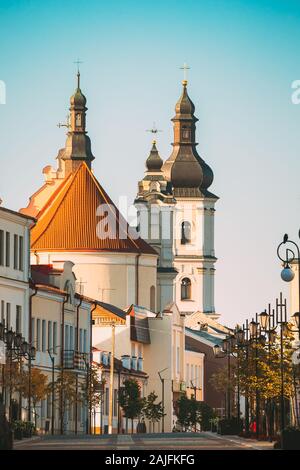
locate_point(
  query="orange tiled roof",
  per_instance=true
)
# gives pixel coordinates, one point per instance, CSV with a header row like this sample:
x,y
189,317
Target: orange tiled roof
x,y
69,222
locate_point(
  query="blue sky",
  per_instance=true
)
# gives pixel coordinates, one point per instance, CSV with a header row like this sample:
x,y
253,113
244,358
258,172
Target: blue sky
x,y
243,55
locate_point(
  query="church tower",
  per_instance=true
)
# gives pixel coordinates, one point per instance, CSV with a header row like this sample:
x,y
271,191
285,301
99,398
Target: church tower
x,y
78,144
190,206
155,204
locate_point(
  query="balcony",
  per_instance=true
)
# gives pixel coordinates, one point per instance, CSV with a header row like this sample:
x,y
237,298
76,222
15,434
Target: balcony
x,y
75,359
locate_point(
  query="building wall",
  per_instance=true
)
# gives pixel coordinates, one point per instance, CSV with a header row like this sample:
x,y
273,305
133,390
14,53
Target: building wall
x,y
109,277
14,278
47,307
211,365
194,374
195,260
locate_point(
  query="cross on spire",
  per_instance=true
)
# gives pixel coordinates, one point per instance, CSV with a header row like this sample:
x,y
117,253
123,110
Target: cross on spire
x,y
154,129
185,68
77,62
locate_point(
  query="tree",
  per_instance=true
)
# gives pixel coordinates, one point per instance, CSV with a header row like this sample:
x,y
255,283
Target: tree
x,y
130,400
92,389
206,415
66,393
151,410
258,370
37,389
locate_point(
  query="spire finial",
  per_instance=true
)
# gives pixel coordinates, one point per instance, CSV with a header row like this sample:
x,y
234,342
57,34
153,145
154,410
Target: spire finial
x,y
77,62
185,68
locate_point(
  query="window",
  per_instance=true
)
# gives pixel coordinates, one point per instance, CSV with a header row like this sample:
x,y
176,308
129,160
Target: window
x,y
178,360
78,120
43,335
33,332
21,254
185,133
18,318
7,249
71,338
38,334
67,337
106,400
185,233
80,340
50,335
8,319
152,298
115,407
186,289
1,248
2,311
84,341
54,337
15,251
43,408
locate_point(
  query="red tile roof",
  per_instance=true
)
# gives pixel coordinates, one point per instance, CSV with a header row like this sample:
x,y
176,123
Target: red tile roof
x,y
69,222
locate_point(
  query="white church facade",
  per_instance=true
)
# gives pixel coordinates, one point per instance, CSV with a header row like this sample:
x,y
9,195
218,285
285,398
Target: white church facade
x,y
176,217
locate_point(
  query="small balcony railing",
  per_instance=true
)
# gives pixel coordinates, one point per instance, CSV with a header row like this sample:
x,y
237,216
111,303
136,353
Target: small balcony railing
x,y
75,360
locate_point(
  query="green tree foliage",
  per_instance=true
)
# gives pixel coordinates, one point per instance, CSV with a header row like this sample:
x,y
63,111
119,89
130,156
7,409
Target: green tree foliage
x,y
130,400
191,412
151,410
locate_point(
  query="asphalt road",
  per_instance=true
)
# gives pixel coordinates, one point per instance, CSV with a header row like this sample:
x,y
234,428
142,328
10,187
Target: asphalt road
x,y
174,441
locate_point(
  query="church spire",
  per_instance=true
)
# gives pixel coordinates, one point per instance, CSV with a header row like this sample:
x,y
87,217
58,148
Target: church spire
x,y
154,161
185,170
78,144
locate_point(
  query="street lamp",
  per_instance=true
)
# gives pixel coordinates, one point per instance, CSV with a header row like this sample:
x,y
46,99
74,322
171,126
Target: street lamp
x,y
264,320
162,396
287,274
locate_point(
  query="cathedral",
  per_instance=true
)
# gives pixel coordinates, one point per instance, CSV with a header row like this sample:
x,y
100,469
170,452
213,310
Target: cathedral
x,y
168,258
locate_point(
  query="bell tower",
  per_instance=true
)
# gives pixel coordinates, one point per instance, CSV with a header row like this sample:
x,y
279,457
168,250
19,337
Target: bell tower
x,y
188,178
78,144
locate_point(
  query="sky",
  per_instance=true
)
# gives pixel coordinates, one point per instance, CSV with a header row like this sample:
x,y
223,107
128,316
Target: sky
x,y
243,58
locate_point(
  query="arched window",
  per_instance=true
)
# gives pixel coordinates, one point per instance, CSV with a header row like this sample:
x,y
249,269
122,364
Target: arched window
x,y
186,288
185,233
152,299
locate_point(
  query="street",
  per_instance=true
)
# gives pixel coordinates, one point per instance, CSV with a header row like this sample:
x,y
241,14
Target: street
x,y
172,441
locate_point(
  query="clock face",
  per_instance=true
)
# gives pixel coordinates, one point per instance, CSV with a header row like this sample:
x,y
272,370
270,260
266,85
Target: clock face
x,y
185,134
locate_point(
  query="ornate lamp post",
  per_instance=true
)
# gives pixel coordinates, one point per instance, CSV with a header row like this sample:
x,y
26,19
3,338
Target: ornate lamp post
x,y
287,274
17,349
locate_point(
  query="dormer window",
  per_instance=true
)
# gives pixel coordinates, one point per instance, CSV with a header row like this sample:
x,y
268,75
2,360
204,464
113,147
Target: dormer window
x,y
185,233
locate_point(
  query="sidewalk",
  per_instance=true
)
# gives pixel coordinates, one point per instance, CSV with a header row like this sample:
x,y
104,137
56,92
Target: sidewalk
x,y
18,443
250,443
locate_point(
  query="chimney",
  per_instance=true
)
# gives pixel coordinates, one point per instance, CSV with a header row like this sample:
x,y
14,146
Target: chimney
x,y
125,361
